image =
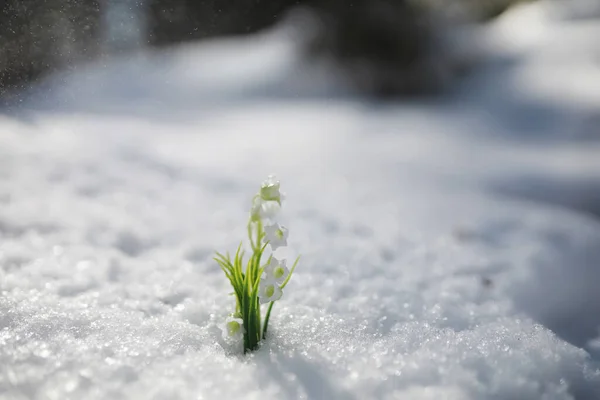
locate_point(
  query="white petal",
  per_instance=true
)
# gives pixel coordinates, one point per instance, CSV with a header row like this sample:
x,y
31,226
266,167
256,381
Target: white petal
x,y
276,235
276,294
269,209
283,276
273,263
226,332
265,285
264,300
269,190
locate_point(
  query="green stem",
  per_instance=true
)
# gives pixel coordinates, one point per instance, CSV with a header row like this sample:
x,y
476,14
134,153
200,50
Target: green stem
x,y
251,328
257,330
265,326
250,305
246,319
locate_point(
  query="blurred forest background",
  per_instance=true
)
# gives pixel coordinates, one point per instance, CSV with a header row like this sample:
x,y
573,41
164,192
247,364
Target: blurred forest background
x,y
396,41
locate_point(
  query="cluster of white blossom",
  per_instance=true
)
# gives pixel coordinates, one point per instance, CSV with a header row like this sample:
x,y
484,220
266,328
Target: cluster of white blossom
x,y
266,207
263,219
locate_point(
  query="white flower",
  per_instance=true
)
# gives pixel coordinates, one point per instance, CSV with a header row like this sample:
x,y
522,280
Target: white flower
x,y
263,209
269,191
277,270
269,209
233,329
276,235
269,291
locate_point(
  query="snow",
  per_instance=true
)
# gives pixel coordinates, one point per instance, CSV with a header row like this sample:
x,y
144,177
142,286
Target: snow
x,y
447,250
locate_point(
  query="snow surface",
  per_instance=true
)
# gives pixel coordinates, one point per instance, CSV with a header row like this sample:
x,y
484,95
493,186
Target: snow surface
x,y
434,263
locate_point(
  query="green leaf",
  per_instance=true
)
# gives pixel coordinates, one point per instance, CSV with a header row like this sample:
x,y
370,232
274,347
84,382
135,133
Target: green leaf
x,y
290,274
257,282
267,317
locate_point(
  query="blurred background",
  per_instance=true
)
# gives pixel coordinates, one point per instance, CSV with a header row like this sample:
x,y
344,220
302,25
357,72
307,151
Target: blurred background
x,y
521,70
399,44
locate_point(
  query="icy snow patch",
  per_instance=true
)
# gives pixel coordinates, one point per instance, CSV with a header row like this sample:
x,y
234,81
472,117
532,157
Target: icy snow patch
x,y
415,282
407,287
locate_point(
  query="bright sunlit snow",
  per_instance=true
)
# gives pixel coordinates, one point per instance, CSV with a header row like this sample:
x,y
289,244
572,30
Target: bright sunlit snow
x,y
448,250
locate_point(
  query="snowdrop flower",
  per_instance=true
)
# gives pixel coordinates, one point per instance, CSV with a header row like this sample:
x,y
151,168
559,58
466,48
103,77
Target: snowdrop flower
x,y
269,209
269,190
263,209
277,270
255,283
233,330
276,235
269,291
